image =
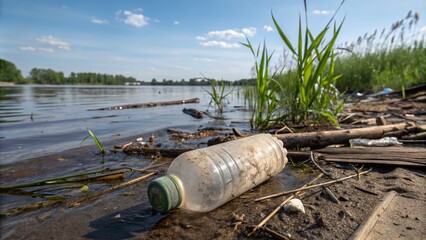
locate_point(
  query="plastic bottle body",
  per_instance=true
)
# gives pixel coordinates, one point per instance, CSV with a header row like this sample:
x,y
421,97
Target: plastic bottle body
x,y
212,176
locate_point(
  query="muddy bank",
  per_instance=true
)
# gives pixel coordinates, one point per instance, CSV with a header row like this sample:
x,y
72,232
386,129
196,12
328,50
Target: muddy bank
x,y
126,213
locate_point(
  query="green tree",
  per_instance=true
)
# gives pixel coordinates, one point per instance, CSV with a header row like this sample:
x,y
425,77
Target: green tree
x,y
9,72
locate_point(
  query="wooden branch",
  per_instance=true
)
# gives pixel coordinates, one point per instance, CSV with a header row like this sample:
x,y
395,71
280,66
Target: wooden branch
x,y
365,227
325,138
151,104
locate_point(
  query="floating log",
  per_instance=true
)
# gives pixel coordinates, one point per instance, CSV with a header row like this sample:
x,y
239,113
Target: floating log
x,y
193,112
396,155
151,104
324,138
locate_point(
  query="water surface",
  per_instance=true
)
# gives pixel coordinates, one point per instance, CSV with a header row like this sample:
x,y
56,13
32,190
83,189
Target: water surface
x,y
37,120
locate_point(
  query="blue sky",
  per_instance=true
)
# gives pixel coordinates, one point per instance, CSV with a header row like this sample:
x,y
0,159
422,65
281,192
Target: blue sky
x,y
171,39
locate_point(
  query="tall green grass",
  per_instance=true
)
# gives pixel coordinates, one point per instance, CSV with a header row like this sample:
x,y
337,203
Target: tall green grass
x,y
395,58
306,92
265,102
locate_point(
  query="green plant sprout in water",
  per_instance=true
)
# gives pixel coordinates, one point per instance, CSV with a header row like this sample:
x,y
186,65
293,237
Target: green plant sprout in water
x,y
218,95
96,140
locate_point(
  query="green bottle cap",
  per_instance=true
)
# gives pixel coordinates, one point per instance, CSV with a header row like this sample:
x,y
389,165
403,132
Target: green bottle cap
x,y
164,194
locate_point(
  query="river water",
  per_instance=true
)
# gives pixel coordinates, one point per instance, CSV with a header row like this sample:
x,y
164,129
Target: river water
x,y
38,120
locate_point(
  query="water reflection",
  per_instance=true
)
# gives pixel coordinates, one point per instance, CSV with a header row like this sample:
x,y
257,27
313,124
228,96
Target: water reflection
x,y
36,120
10,104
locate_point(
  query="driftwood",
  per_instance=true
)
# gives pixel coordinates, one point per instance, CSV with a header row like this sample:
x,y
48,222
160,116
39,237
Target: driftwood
x,y
193,112
325,138
151,104
365,227
396,155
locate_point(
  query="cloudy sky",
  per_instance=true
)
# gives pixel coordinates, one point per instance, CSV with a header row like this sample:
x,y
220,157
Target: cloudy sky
x,y
171,39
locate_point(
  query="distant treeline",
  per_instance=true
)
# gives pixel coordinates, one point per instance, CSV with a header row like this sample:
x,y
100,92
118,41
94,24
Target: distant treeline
x,y
9,73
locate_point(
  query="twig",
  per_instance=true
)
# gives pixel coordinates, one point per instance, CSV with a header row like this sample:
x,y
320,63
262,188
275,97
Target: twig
x,y
332,196
316,165
273,195
283,128
281,205
357,171
275,234
313,186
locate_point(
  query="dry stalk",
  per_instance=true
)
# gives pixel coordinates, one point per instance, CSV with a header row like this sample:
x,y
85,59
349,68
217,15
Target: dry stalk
x,y
313,186
95,195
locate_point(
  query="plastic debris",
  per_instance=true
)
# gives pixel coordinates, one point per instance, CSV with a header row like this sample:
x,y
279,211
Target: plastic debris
x,y
383,142
294,205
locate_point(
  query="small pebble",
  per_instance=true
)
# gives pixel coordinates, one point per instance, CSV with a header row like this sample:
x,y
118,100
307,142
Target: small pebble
x,y
294,205
342,215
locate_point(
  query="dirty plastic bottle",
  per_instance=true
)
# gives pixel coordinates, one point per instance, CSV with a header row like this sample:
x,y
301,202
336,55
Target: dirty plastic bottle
x,y
204,179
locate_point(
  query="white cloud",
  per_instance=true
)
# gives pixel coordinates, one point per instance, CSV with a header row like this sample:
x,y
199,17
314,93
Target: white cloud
x,y
31,49
34,49
98,21
176,22
134,19
227,34
206,40
201,38
322,12
219,44
204,60
268,28
55,42
423,29
251,31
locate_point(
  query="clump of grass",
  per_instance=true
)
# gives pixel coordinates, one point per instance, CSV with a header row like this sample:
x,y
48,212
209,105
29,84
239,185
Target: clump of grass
x,y
266,102
307,91
218,95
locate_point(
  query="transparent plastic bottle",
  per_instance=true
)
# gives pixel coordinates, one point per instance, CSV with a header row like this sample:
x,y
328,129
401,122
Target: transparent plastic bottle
x,y
204,179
